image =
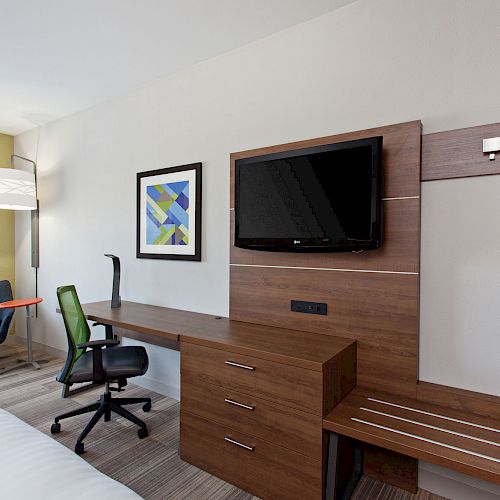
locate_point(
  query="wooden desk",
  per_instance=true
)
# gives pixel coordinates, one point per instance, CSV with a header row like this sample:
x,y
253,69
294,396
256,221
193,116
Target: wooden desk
x,y
253,397
304,349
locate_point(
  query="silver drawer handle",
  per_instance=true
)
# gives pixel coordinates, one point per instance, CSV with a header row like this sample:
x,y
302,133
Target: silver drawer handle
x,y
248,407
232,441
246,367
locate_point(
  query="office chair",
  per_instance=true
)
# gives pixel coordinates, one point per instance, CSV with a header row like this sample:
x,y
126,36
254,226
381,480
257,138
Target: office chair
x,y
99,366
5,314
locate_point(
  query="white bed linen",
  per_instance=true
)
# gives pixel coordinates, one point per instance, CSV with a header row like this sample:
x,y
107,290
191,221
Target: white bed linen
x,y
35,466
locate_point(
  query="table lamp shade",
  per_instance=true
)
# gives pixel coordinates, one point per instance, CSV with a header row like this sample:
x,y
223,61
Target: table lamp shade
x,y
17,189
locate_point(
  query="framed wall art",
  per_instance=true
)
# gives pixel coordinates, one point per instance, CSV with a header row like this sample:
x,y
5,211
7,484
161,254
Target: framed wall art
x,y
169,213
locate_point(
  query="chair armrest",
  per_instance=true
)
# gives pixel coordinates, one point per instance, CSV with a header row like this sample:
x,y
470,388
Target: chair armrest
x,y
98,343
109,329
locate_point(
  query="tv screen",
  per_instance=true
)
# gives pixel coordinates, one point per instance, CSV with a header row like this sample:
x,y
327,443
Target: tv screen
x,y
324,198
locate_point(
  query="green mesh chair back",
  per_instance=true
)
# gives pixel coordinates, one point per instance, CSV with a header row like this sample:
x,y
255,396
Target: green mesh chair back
x,y
77,329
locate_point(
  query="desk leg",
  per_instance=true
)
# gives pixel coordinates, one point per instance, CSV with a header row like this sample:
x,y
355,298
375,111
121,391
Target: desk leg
x,y
331,470
29,339
109,332
344,467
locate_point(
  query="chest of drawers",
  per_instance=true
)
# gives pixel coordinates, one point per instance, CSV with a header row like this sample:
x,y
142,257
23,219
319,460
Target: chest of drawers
x,y
256,420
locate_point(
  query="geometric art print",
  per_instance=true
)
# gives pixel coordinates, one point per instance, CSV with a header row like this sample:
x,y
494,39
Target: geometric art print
x,y
167,213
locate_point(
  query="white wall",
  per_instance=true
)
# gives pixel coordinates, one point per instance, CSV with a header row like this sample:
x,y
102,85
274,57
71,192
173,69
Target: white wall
x,y
460,283
374,62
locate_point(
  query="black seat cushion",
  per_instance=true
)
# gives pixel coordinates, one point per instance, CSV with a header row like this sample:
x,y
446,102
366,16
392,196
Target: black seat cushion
x,y
129,361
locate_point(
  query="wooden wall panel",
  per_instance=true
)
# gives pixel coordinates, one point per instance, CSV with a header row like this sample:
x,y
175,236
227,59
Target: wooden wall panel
x,y
378,303
458,153
379,310
389,466
399,252
401,155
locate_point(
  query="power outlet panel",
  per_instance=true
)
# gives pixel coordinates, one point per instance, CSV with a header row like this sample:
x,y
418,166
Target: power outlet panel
x,y
308,307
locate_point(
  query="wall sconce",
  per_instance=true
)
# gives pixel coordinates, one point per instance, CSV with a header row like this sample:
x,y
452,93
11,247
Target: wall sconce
x,y
491,146
18,191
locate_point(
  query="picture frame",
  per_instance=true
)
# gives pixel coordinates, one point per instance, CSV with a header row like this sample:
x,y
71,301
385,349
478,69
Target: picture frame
x,y
169,206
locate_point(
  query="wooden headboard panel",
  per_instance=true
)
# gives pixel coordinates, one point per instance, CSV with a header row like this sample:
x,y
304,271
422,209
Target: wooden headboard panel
x,y
373,296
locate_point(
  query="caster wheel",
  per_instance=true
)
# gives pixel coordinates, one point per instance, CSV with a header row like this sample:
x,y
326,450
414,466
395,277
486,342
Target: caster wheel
x,y
142,433
146,407
79,448
55,428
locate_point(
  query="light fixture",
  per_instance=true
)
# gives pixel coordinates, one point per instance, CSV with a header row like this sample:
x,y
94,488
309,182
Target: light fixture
x,y
18,191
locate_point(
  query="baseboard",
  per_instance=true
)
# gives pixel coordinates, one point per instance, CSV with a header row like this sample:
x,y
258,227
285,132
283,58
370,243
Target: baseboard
x,y
451,484
157,386
57,353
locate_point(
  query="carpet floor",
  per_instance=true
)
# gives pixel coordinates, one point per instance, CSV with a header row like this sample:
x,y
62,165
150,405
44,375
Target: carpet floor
x,y
151,467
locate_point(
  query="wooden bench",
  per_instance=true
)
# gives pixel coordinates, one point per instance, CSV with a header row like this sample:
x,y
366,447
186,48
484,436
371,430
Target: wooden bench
x,y
448,437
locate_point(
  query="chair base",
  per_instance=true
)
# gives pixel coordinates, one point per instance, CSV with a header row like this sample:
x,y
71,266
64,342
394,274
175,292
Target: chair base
x,y
19,364
103,408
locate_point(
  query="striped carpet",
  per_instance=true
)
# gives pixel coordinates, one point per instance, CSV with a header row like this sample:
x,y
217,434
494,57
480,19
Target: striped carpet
x,y
151,466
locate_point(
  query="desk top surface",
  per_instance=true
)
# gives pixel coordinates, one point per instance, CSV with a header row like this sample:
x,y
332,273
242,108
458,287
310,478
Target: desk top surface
x,y
293,347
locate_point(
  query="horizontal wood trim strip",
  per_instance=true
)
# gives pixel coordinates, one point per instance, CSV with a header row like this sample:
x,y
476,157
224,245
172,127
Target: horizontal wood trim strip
x,y
398,198
458,153
380,311
401,155
399,252
327,269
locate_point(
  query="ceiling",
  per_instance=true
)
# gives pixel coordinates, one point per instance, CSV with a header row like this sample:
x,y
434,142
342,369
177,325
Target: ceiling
x,y
61,56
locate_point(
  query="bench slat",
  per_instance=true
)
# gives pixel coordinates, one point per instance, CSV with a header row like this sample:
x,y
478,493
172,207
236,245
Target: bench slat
x,y
469,444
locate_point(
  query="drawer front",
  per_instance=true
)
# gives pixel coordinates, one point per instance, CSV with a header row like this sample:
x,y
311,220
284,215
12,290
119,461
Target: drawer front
x,y
266,470
283,384
288,427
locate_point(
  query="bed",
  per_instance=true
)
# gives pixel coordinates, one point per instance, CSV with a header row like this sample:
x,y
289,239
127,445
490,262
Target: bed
x,y
34,465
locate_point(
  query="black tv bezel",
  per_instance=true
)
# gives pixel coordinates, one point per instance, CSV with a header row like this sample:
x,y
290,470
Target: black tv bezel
x,y
317,244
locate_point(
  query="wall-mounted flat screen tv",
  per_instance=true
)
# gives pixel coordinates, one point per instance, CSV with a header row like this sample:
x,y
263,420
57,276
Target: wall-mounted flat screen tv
x,y
323,198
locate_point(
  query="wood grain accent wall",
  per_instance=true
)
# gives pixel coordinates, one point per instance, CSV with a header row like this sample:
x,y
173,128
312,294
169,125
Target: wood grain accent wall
x,y
458,153
372,297
399,253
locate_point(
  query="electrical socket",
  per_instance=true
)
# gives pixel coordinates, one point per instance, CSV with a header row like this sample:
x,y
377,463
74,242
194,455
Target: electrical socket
x,y
308,307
